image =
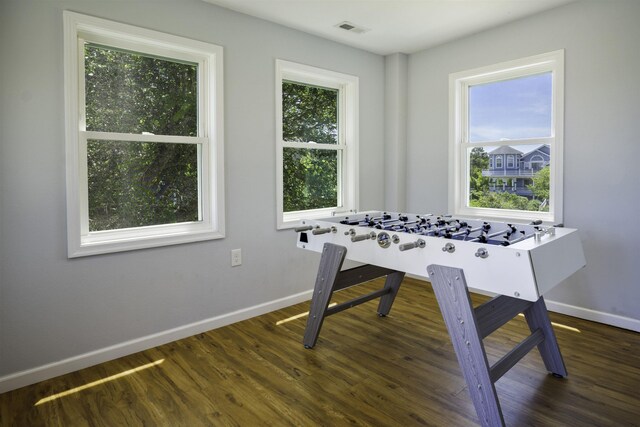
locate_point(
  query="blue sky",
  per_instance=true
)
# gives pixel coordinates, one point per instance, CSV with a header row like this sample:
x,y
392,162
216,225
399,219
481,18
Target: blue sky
x,y
511,109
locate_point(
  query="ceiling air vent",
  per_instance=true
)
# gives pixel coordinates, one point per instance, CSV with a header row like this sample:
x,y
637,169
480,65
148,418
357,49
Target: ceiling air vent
x,y
351,27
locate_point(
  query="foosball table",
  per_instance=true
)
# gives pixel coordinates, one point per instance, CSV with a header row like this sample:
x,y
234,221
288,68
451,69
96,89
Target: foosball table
x,y
516,262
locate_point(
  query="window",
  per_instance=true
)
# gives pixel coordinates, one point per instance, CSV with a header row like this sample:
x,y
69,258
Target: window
x,y
144,137
512,109
537,163
316,142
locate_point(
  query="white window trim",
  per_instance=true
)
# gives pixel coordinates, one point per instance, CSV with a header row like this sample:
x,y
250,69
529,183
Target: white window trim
x,y
458,176
347,142
81,242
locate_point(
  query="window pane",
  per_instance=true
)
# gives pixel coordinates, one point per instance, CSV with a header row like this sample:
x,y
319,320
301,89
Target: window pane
x,y
511,109
135,184
131,93
309,113
310,179
521,185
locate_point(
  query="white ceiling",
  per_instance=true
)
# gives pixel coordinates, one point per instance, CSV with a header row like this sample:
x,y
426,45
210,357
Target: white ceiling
x,y
394,26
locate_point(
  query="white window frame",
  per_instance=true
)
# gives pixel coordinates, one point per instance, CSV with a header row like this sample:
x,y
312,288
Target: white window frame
x,y
79,29
459,144
347,87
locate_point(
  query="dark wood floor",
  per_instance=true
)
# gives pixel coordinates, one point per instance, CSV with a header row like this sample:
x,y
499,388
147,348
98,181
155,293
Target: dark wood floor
x,y
365,370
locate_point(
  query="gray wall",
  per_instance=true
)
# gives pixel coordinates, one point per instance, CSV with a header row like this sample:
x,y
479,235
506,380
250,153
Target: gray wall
x,y
602,109
53,308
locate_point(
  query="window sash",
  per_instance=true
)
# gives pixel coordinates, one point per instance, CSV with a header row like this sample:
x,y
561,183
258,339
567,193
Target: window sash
x,y
135,46
147,230
340,198
464,195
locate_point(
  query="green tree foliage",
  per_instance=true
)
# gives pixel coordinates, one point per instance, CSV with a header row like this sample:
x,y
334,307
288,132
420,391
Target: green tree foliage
x,y
478,161
133,184
310,176
309,113
504,200
541,184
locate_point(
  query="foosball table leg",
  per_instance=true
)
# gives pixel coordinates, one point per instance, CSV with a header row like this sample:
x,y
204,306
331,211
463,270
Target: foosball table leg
x,y
392,283
331,278
330,265
468,326
538,318
452,294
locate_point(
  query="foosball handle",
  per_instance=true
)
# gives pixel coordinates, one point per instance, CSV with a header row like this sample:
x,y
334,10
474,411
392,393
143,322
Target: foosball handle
x,y
317,231
362,237
417,244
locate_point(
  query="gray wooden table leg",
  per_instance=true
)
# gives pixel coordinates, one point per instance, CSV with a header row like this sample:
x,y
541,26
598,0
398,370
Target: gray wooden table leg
x,y
538,318
328,270
392,282
451,291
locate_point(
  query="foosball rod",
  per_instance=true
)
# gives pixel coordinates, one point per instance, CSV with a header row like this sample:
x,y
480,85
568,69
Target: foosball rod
x,y
402,220
488,236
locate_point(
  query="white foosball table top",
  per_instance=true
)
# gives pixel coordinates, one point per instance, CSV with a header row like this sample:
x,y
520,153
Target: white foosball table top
x,y
519,260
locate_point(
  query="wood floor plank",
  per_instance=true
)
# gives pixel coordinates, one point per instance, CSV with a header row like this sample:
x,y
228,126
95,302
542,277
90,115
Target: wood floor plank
x,y
398,370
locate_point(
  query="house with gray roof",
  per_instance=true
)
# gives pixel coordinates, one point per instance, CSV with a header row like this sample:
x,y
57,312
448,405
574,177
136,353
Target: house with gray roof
x,y
512,170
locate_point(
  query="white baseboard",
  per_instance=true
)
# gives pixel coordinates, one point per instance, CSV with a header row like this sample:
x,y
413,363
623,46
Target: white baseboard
x,y
575,311
51,370
593,315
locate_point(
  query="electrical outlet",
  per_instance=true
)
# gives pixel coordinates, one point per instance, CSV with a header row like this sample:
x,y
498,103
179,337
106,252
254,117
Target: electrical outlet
x,y
236,257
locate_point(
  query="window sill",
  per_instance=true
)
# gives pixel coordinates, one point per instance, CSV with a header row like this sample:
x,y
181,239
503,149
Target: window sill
x,y
128,240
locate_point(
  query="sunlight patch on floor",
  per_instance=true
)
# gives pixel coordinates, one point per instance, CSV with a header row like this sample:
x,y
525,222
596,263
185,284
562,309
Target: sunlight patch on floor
x,y
297,316
561,326
98,382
